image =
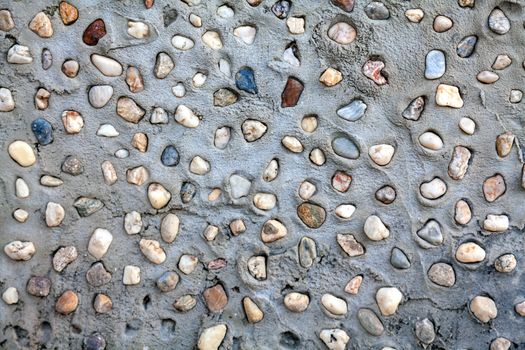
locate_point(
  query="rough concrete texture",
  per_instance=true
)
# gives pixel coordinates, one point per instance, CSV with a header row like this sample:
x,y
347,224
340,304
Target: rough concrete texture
x,y
142,316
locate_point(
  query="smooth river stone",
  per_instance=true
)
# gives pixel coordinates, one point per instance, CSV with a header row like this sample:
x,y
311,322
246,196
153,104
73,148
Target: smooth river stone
x,y
458,165
352,112
370,322
94,32
435,64
292,92
345,148
431,234
433,189
307,252
466,46
43,131
442,274
342,33
498,22
398,259
22,153
311,215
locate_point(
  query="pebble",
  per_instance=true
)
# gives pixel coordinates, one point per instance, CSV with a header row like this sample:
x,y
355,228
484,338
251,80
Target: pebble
x,y
381,154
515,96
55,214
42,99
253,129
414,15
212,39
487,77
350,245
50,181
309,123
264,201
152,251
433,189
215,298
483,308
435,64
38,286
466,46
237,227
41,25
462,212
70,68
375,229
257,267
331,77
212,337
246,34
109,173
520,308
99,95
106,65
7,103
159,116
19,54
94,341
494,187
442,24
442,274
186,117
345,211
10,296
398,259
307,251
296,302
199,166
63,257
370,322
333,305
22,153
431,233
163,65
504,143
292,144
466,3
414,109
372,69
134,79
352,287
47,59
498,22
86,206
386,194
341,181
346,148
505,263
295,25
68,13
168,281
345,5
6,21
131,275
187,191
20,215
253,313
222,137
245,80
317,156
496,223
291,55
470,252
388,300
137,176
353,111
342,33
158,196
188,263
170,156
377,10
312,215
225,67
271,171
501,62
225,11
272,231
224,97
97,275
140,142
467,125
254,3
129,110
457,168
99,243
199,79
94,32
334,339
240,186
425,331
448,96
21,188
72,166
138,30
169,228
67,303
73,122
185,303
307,190
281,8
102,304
20,251
500,344
291,92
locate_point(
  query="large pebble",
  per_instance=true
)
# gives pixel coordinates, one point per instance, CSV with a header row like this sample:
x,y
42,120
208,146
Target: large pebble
x,y
375,229
55,214
158,196
483,308
334,339
41,25
7,103
433,189
292,92
448,96
296,302
342,33
498,22
353,111
494,187
272,231
431,141
370,322
350,245
163,65
152,250
67,303
381,154
99,243
435,64
457,168
212,39
10,296
442,274
431,233
470,252
333,305
94,32
39,286
388,300
19,54
253,313
246,34
131,275
20,251
22,153
496,223
212,337
99,95
106,65
186,117
346,148
312,215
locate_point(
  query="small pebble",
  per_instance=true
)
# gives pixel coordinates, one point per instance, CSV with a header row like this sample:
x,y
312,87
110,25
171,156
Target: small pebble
x,y
39,286
470,252
47,59
341,181
350,245
6,21
186,117
215,298
225,67
21,188
68,13
295,25
501,62
163,65
94,341
170,156
281,8
137,176
134,79
246,34
425,331
158,196
498,22
168,281
257,267
372,69
272,231
63,257
483,308
152,251
414,110
73,122
41,99
97,275
41,25
102,304
138,30
199,166
108,172
375,229
433,189
271,171
462,212
496,223
467,125
212,337
10,296
345,5
345,147
414,15
169,227
99,95
264,201
296,302
185,303
500,344
22,153
388,300
352,287
86,206
377,10
72,166
398,259
94,32
370,322
386,194
99,243
237,227
212,39
487,77
20,251
504,143
195,20
312,215
291,92
129,110
70,68
55,214
435,64
7,103
317,156
431,234
457,168
466,46
132,223
50,181
333,305
442,274
381,154
515,96
107,65
253,313
505,263
442,24
292,144
520,308
307,251
20,215
448,96
245,80
345,211
353,111
188,263
19,54
131,275
494,187
334,339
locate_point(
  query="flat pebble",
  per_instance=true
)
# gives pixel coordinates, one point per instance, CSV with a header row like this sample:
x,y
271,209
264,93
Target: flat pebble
x,y
312,215
448,96
106,65
414,15
168,281
158,195
487,77
245,80
415,108
272,231
63,257
163,65
292,144
353,111
41,25
425,331
501,62
386,194
6,21
102,304
94,32
19,54
398,259
99,95
345,147
435,64
292,92
350,245
212,39
72,121
504,143
431,233
467,125
442,24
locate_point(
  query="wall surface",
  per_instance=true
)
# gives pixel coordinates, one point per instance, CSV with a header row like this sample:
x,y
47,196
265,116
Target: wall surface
x,y
143,316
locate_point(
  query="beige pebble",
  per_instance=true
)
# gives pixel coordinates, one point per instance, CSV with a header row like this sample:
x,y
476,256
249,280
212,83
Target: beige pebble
x,y
352,287
317,157
496,223
140,142
414,15
132,223
342,33
210,232
467,125
448,96
334,339
470,252
295,25
20,251
246,34
296,302
186,117
109,173
433,189
237,227
55,214
21,188
138,30
388,300
22,153
106,65
70,68
487,77
462,213
257,267
442,24
309,123
152,250
6,21
501,62
212,337
292,144
431,141
50,181
42,99
10,296
345,211
253,313
195,20
331,77
212,39
73,122
99,243
20,215
169,228
271,171
483,308
19,54
199,166
7,103
272,231
381,154
41,25
158,196
188,263
264,201
137,176
520,308
307,190
131,275
333,305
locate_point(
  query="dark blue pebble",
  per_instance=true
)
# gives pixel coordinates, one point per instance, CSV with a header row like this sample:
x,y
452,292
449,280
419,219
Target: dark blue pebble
x,y
43,131
170,156
245,80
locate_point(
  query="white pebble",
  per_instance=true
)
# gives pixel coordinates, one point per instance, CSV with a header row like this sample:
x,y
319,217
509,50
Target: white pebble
x,y
10,296
345,211
21,188
107,130
182,43
131,275
186,117
179,90
199,79
199,166
99,243
106,65
467,125
246,34
374,228
138,30
212,40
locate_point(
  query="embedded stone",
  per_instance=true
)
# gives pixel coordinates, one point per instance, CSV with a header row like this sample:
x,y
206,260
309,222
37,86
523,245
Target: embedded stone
x,y
245,80
296,302
272,231
99,95
342,33
370,322
167,281
433,189
353,111
442,274
334,339
312,215
375,229
466,46
483,308
470,252
39,286
448,96
163,65
388,300
372,69
55,214
414,110
435,64
7,103
350,245
398,259
253,313
292,92
67,303
152,250
97,275
333,305
381,154
41,25
498,22
63,257
331,77
215,298
494,187
68,13
504,143
462,212
19,54
346,148
431,234
86,206
19,251
457,168
99,243
131,275
496,223
158,196
22,153
212,337
94,32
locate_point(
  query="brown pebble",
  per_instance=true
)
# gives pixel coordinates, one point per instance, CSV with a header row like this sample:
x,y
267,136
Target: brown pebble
x,y
352,287
94,32
494,187
504,144
149,3
97,275
70,68
217,264
345,5
39,286
102,304
68,13
215,298
292,92
253,313
134,79
67,303
140,142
